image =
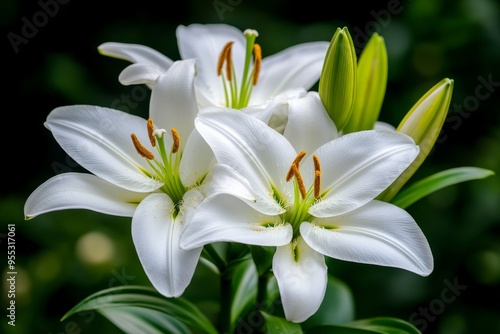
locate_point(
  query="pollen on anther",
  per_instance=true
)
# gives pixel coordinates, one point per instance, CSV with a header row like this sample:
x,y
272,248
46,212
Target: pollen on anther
x,y
296,163
143,151
151,129
300,181
257,54
224,56
177,140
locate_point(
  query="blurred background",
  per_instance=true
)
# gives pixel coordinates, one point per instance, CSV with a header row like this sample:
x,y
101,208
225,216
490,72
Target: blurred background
x,y
51,59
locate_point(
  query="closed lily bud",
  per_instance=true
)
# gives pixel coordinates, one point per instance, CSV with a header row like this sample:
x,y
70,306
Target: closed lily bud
x,y
371,83
423,123
337,83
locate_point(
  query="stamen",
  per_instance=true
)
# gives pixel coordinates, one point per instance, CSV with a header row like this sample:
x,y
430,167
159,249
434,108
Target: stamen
x,y
177,140
143,151
295,162
229,62
317,177
151,129
300,181
223,57
257,54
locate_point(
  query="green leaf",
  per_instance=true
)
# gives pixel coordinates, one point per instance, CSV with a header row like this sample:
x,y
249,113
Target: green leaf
x,y
371,84
385,325
438,181
337,83
380,325
243,290
277,325
133,306
337,307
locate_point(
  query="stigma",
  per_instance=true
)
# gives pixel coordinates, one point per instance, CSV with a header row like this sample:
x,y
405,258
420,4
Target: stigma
x,y
237,92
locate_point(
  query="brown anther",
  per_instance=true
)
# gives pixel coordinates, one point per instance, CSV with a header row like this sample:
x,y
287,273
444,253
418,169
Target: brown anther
x,y
224,56
151,129
300,181
177,140
317,166
296,163
257,55
317,184
143,151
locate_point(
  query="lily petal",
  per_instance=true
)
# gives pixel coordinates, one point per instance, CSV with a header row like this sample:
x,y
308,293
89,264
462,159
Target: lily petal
x,y
204,42
136,53
173,99
298,66
250,146
99,140
226,218
358,167
81,191
378,233
156,236
139,74
197,160
307,115
301,274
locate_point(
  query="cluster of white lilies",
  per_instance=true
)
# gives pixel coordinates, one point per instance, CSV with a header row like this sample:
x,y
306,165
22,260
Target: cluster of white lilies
x,y
238,149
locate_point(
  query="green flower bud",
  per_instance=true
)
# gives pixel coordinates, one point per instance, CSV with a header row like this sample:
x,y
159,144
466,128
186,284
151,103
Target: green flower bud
x,y
423,123
337,83
370,85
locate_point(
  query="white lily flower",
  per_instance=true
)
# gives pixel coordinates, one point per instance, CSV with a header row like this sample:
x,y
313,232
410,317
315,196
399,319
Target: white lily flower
x,y
309,197
158,190
231,71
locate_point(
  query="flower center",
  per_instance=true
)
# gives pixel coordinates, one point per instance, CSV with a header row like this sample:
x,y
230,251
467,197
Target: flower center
x,y
166,167
303,198
237,93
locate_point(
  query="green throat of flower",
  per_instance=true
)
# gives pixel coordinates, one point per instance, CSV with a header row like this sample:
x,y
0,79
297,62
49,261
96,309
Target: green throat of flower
x,y
166,167
303,198
237,93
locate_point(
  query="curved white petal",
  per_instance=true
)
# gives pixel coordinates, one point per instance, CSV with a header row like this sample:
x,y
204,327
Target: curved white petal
x,y
383,126
251,147
378,233
298,66
226,218
156,236
139,74
302,276
225,180
204,42
135,53
358,166
197,160
99,140
81,191
309,125
173,99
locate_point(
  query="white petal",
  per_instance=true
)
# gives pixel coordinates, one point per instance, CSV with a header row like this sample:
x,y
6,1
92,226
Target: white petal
x,y
156,236
226,218
251,147
358,166
309,125
302,276
378,233
204,42
139,74
135,53
197,160
99,140
298,66
173,99
81,191
383,126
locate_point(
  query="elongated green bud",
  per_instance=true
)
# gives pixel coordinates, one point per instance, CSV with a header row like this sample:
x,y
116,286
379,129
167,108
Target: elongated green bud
x,y
423,123
337,83
371,83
